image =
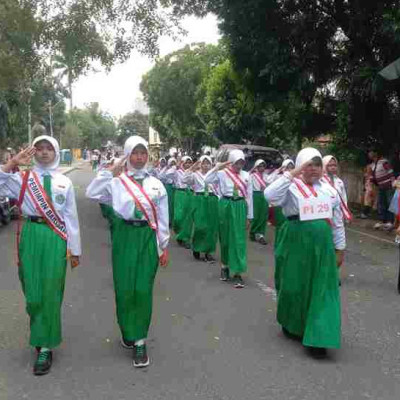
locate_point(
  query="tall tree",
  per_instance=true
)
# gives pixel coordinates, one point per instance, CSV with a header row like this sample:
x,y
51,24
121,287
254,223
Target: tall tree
x,y
172,88
133,123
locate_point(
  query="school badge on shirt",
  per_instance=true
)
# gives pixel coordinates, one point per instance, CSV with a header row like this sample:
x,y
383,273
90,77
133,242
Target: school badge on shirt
x,y
60,199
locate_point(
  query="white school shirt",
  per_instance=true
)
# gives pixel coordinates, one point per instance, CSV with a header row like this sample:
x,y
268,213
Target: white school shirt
x,y
256,183
63,199
226,186
110,190
284,193
176,176
339,186
196,180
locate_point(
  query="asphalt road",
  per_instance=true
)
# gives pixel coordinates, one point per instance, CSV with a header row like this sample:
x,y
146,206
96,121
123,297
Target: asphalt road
x,y
207,340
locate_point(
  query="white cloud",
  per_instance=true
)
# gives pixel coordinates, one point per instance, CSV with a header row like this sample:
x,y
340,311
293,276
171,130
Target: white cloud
x,y
117,91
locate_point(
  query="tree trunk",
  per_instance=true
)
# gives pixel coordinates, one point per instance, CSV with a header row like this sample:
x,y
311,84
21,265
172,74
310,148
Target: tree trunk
x,y
71,106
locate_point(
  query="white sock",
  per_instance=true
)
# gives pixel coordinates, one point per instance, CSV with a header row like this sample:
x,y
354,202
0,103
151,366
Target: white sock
x,y
139,342
44,349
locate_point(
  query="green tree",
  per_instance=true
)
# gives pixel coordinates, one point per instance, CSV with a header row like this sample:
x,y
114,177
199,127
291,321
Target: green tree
x,y
133,123
172,89
90,127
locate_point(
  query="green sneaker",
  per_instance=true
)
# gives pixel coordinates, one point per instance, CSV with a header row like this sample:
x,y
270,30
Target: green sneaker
x,y
140,357
43,363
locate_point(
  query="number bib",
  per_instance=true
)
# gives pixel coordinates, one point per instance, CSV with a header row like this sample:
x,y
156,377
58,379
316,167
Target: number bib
x,y
314,208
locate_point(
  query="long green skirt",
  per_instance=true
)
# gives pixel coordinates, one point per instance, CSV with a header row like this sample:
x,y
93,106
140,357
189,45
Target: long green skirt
x,y
106,211
308,300
171,194
183,215
43,262
135,264
232,234
279,219
205,216
260,210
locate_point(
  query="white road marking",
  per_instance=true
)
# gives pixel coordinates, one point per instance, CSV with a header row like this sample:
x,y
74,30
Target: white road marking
x,y
269,291
372,236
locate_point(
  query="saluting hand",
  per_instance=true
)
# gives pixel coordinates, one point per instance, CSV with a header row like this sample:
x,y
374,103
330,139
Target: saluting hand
x,y
220,166
116,168
195,167
299,170
24,157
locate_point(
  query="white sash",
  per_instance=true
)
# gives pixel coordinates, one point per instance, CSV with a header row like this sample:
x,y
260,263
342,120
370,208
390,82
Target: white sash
x,y
237,181
260,180
144,202
44,206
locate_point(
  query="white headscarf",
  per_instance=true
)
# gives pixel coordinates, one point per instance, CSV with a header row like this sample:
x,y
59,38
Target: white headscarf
x,y
258,163
287,162
171,160
235,156
130,145
307,155
326,160
205,157
186,158
54,165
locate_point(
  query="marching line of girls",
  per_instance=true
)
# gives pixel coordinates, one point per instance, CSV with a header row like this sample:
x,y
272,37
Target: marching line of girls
x,y
209,202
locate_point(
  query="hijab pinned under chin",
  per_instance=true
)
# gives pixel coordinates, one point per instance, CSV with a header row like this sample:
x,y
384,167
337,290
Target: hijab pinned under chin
x,y
130,144
54,143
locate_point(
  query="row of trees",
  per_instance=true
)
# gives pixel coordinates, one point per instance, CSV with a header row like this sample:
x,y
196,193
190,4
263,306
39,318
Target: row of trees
x,y
286,72
46,45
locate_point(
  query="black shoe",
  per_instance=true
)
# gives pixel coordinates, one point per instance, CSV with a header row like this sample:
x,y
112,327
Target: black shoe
x,y
187,246
127,344
224,274
140,358
262,241
209,258
318,353
238,282
43,363
196,255
252,238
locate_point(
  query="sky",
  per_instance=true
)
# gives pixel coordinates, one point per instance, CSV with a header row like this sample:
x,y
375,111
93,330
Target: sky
x,y
117,91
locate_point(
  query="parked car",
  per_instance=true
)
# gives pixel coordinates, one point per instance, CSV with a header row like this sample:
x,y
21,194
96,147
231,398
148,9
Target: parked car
x,y
270,155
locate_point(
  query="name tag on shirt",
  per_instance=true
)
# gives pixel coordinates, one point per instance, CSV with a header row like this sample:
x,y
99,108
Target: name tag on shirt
x,y
315,208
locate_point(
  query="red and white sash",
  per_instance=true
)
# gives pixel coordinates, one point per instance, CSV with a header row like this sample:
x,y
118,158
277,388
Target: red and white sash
x,y
144,202
306,190
44,205
345,209
237,181
260,180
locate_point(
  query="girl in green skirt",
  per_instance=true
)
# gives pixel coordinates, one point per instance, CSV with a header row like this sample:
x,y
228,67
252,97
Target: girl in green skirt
x,y
235,211
260,205
169,186
50,231
279,218
140,236
205,210
183,206
308,300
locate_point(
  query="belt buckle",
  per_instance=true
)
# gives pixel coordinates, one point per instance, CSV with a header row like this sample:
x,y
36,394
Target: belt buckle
x,y
137,223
